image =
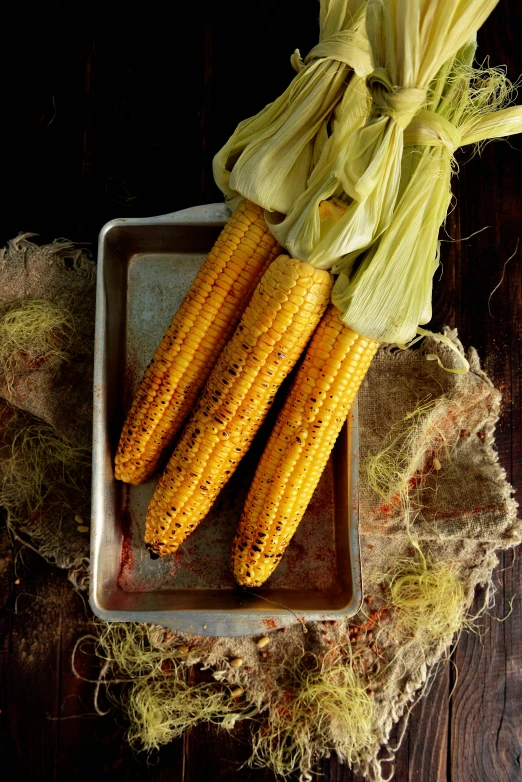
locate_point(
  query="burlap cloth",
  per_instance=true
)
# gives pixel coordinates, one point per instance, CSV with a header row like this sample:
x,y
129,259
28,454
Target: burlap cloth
x,y
57,392
456,503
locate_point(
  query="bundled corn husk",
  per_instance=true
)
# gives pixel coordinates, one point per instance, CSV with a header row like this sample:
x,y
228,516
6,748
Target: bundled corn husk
x,y
269,157
380,187
410,40
389,294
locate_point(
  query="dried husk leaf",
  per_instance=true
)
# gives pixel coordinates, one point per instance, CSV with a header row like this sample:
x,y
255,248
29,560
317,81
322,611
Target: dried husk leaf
x,y
410,41
305,221
389,294
269,157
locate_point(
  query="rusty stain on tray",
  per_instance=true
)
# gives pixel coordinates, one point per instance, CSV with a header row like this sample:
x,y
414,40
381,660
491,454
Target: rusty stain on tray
x,y
204,560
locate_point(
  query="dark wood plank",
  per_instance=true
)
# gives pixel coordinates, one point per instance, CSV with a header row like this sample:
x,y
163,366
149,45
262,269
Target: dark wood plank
x,y
6,587
31,641
423,753
215,755
79,728
486,735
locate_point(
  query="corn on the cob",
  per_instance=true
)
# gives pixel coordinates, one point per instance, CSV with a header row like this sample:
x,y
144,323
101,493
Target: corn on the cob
x,y
284,310
196,336
295,456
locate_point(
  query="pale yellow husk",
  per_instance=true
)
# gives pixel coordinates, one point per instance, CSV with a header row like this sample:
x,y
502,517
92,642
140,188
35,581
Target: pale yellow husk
x,y
269,157
410,41
379,191
389,294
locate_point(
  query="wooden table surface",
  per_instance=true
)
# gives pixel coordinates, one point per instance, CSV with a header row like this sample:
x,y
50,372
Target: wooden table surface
x,y
108,113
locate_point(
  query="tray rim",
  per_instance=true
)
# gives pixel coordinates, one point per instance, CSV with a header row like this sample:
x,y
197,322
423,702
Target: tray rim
x,y
211,622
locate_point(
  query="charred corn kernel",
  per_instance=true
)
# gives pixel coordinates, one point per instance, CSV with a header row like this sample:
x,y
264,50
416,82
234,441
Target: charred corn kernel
x,y
234,402
298,448
198,332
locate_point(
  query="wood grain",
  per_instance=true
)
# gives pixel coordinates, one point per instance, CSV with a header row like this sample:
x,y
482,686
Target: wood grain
x,y
109,114
31,661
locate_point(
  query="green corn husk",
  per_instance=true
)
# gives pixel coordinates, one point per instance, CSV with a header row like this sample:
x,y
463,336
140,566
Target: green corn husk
x,y
410,41
269,157
381,158
389,294
324,184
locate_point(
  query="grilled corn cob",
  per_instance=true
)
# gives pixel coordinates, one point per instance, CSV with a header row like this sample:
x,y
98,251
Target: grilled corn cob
x,y
283,312
295,456
198,332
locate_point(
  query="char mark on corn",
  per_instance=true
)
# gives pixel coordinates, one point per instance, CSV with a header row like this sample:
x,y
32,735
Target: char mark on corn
x,y
192,343
298,449
284,310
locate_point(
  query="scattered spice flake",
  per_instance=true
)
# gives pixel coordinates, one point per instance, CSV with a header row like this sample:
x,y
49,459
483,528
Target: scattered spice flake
x,y
465,513
416,479
36,362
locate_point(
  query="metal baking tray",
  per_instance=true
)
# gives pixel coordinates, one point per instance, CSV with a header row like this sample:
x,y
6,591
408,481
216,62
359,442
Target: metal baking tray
x,y
145,266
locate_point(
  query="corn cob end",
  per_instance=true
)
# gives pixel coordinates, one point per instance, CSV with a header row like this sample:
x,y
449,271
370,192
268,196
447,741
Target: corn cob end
x,y
295,456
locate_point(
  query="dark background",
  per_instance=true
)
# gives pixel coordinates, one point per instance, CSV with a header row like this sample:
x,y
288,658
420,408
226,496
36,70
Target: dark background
x,y
116,110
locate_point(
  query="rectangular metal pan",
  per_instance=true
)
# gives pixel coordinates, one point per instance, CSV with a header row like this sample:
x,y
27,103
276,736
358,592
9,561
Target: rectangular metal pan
x,y
145,266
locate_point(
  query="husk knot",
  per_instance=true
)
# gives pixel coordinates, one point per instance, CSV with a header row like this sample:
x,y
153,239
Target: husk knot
x,y
349,47
430,129
399,103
